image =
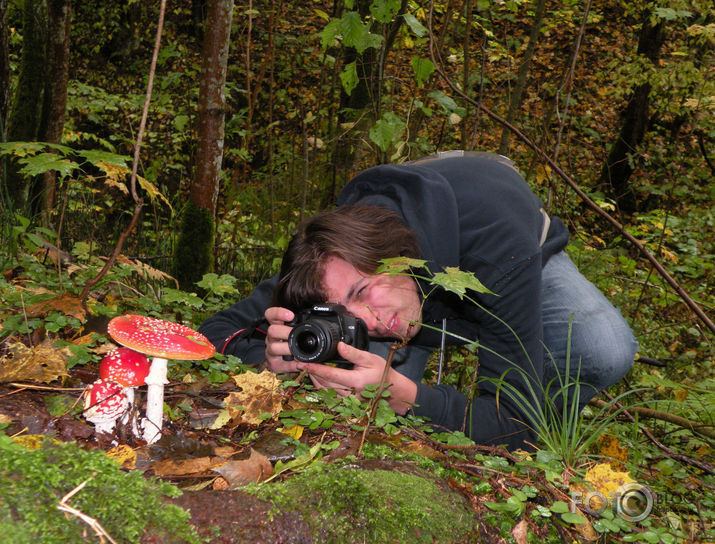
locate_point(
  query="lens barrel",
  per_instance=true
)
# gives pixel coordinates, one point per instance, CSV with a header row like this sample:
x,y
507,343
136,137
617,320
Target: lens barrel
x,y
315,341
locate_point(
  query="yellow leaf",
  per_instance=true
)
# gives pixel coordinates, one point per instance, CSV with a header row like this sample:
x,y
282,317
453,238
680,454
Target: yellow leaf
x,y
296,431
259,395
124,455
610,446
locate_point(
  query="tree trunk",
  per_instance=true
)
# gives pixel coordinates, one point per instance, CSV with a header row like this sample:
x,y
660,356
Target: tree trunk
x,y
617,169
4,71
26,112
193,256
44,188
523,72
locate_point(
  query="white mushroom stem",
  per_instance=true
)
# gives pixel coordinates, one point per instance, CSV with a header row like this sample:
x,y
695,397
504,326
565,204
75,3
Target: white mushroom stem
x,y
130,412
155,381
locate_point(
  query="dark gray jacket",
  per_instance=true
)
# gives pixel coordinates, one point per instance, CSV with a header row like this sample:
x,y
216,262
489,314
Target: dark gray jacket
x,y
478,214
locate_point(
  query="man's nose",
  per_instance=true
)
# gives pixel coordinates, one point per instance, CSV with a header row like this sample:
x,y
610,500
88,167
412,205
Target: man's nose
x,y
364,313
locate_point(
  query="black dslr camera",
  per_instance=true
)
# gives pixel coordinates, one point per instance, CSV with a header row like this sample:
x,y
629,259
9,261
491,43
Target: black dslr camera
x,y
317,331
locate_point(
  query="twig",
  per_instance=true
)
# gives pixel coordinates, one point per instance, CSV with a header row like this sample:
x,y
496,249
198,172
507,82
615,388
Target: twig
x,y
93,523
139,202
571,183
642,411
702,465
378,392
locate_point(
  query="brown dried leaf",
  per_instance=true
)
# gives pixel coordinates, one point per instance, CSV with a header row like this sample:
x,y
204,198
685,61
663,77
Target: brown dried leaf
x,y
259,395
245,471
43,363
69,305
182,467
520,532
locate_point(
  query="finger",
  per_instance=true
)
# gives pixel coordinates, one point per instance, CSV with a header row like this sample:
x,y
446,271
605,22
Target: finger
x,y
359,357
326,373
275,315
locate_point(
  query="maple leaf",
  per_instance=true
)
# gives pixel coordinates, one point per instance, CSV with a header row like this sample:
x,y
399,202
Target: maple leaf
x,y
458,281
398,265
258,399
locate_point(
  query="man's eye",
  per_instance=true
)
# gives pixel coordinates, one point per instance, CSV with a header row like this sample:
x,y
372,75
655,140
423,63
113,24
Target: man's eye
x,y
360,292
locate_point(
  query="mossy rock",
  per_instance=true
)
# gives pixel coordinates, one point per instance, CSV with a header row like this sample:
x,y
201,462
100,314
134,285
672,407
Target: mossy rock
x,y
369,502
125,504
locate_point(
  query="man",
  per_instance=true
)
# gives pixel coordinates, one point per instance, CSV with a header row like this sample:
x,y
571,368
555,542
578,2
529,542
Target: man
x,y
471,211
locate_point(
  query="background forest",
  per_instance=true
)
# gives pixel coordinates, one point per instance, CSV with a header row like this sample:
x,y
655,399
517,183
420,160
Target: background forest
x,y
177,201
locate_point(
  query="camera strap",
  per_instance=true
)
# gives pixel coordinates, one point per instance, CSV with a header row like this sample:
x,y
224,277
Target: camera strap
x,y
248,332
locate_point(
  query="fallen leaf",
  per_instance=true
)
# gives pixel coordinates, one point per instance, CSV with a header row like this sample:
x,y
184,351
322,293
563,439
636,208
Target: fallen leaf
x,y
520,532
241,472
259,395
610,446
44,363
295,431
182,467
124,455
69,305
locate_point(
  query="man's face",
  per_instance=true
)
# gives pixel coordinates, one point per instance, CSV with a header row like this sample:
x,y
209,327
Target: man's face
x,y
389,305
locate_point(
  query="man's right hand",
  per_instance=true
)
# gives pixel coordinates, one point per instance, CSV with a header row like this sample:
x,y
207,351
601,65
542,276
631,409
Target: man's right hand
x,y
277,340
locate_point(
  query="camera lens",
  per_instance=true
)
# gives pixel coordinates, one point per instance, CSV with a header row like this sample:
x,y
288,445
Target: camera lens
x,y
307,342
315,341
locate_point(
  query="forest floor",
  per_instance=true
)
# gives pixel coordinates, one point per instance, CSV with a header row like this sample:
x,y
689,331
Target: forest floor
x,y
507,497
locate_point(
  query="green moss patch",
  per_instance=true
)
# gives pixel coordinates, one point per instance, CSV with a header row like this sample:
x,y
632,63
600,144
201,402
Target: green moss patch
x,y
125,504
345,504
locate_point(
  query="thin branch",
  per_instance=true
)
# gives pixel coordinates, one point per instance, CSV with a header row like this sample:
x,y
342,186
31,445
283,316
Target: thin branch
x,y
571,183
702,465
139,202
642,411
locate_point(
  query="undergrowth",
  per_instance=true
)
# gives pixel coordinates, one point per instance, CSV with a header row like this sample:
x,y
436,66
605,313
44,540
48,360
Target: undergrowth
x,y
126,505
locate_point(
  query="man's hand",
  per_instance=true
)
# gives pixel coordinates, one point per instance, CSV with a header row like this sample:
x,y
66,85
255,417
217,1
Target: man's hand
x,y
368,369
277,340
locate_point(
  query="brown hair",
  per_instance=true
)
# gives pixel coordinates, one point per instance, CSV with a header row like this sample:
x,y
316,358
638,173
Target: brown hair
x,y
361,235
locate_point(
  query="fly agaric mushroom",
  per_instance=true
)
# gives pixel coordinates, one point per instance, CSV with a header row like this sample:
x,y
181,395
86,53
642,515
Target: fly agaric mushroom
x,y
160,340
129,368
104,403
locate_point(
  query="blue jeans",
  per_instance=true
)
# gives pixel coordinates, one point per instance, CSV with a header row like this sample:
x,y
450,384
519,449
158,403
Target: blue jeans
x,y
602,343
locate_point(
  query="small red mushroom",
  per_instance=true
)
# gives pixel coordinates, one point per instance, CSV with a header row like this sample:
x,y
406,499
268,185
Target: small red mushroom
x,y
104,403
161,340
130,369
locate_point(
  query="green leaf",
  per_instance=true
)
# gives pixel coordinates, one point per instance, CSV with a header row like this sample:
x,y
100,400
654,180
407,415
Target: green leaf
x,y
387,130
349,77
384,10
458,281
559,507
418,28
447,103
46,162
329,35
397,265
423,69
572,517
95,157
356,34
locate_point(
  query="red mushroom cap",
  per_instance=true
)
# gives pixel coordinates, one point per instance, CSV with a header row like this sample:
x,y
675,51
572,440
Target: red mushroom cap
x,y
159,338
126,366
105,400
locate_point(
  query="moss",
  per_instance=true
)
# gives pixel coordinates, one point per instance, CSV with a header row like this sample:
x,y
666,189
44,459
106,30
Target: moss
x,y
126,505
346,504
193,256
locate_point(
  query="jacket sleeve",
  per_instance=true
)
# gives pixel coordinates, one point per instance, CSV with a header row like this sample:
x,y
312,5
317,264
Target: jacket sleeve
x,y
223,327
513,353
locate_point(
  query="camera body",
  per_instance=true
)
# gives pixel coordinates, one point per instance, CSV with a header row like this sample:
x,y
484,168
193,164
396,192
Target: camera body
x,y
317,331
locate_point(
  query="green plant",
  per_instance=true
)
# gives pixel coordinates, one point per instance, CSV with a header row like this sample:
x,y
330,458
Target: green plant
x,y
126,505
